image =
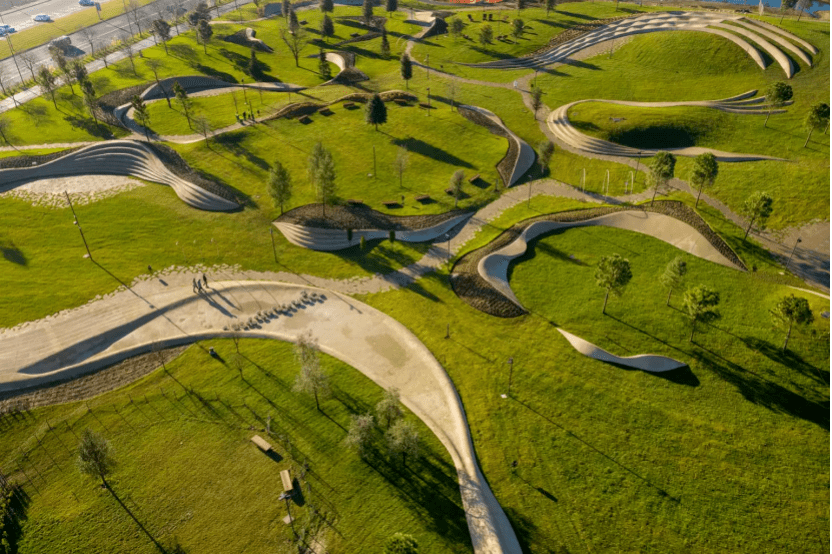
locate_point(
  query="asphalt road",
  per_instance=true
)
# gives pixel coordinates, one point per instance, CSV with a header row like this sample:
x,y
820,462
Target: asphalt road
x,y
19,13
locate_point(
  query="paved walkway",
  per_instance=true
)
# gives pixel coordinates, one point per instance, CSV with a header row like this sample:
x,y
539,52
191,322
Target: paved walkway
x,y
166,312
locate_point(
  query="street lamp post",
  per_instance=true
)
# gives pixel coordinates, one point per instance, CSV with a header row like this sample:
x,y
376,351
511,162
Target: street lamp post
x,y
274,251
75,222
510,373
427,64
448,237
428,101
14,58
792,254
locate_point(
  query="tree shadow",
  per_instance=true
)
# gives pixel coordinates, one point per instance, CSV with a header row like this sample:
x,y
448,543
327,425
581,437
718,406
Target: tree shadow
x,y
215,73
185,52
429,151
89,126
15,515
788,359
233,143
13,254
139,523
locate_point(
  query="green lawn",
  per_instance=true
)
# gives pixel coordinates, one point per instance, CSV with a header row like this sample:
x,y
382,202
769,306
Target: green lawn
x,y
189,474
732,455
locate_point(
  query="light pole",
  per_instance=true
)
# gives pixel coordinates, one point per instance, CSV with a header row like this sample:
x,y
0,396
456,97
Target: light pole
x,y
274,251
428,101
792,254
448,237
510,373
427,64
14,58
75,222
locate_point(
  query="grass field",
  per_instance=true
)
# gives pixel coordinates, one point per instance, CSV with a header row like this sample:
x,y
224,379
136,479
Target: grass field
x,y
190,475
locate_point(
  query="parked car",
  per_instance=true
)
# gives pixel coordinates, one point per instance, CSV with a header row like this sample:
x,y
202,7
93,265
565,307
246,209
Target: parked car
x,y
6,30
42,17
86,2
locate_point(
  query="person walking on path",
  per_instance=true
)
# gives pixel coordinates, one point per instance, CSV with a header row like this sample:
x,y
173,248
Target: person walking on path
x,y
199,286
205,280
193,282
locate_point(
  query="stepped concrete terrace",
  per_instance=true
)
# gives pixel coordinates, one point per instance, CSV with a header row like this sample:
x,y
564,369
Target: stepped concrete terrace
x,y
119,157
559,124
730,27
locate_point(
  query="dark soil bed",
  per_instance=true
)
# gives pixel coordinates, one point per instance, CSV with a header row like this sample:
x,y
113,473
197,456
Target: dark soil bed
x,y
27,160
181,169
113,100
361,217
475,291
505,167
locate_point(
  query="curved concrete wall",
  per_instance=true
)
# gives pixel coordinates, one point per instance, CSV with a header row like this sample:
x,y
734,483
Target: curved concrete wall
x,y
645,362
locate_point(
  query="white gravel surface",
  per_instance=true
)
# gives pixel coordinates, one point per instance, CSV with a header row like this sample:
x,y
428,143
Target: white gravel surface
x,y
82,189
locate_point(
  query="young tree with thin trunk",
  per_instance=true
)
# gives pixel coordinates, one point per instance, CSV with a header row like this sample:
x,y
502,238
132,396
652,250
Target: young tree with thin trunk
x,y
818,117
155,64
545,150
550,6
402,157
311,379
360,434
285,9
790,310
203,127
327,27
204,34
757,208
141,115
673,275
456,27
613,275
486,34
183,100
326,6
705,171
95,456
89,35
321,170
295,41
127,46
47,82
517,28
786,5
280,185
90,98
367,12
375,113
403,439
662,167
391,5
777,95
406,68
79,71
456,185
803,5
537,100
700,305
161,28
63,65
30,61
389,408
6,131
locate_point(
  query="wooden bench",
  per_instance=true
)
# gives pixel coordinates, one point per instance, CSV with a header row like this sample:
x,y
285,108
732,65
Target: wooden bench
x,y
286,477
349,105
304,119
471,19
424,198
353,202
449,191
391,203
261,443
474,178
355,35
325,111
303,22
425,106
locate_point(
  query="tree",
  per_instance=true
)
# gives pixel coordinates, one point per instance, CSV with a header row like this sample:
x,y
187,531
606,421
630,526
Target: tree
x,y
402,438
201,13
375,112
673,274
95,456
391,5
400,543
30,61
406,68
389,409
757,208
89,35
155,64
367,11
63,65
134,15
326,6
551,5
705,170
280,185
79,71
4,75
385,45
456,185
203,127
402,156
141,115
817,117
127,46
662,167
537,100
311,379
517,28
486,34
184,102
294,24
360,434
786,5
790,310
803,5
545,150
203,34
777,95
456,28
521,4
47,82
612,275
89,98
285,9
700,305
323,66
321,170
295,42
162,30
327,27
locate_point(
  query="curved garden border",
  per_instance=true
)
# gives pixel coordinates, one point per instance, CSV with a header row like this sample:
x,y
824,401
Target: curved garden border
x,y
645,362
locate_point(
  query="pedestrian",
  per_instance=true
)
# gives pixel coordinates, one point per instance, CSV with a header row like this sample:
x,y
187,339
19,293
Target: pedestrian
x,y
515,84
205,280
199,286
149,269
193,285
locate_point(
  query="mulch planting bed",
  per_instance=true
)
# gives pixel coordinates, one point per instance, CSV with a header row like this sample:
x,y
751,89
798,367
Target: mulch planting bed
x,y
27,160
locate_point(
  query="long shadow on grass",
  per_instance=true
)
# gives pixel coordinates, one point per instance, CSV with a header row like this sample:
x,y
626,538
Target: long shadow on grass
x,y
763,392
232,142
13,254
15,515
428,150
139,523
89,126
788,359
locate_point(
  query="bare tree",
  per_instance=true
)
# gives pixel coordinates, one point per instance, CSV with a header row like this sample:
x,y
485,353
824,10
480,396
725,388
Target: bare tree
x,y
154,64
6,131
127,46
4,75
89,36
30,61
311,379
134,15
401,162
203,127
295,42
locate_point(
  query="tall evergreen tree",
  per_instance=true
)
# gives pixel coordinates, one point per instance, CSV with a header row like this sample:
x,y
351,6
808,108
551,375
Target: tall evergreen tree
x,y
327,27
385,45
141,115
367,11
376,112
323,66
406,69
326,6
280,185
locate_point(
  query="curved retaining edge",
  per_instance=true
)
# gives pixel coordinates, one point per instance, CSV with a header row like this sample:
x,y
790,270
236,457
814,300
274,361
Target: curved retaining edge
x,y
193,84
328,240
645,362
525,153
784,33
494,267
119,157
355,333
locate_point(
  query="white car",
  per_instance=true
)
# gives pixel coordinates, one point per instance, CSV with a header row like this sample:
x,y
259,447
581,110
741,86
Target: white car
x,y
42,17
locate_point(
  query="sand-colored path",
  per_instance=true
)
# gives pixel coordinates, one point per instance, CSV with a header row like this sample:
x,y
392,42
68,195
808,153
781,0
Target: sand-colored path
x,y
132,321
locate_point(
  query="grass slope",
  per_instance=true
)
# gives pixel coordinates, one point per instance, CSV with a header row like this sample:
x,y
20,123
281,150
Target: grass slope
x,y
189,474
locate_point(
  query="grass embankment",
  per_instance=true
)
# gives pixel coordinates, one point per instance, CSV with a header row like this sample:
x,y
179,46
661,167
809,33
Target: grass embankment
x,y
608,459
188,472
643,71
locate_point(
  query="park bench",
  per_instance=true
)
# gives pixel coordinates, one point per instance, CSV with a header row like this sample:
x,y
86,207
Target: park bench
x,y
304,119
303,22
353,202
425,106
449,191
349,105
491,17
325,111
286,477
391,203
261,443
355,35
422,199
474,178
471,19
